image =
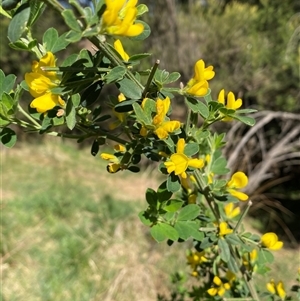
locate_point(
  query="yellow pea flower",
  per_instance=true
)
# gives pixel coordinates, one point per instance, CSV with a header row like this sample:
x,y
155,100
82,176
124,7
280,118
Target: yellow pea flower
x,y
219,288
276,289
114,165
162,126
270,241
120,148
238,180
230,211
224,230
198,85
231,102
40,84
179,162
119,18
119,47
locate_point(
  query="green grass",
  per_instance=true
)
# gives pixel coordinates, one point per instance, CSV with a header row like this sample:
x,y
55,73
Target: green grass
x,y
70,230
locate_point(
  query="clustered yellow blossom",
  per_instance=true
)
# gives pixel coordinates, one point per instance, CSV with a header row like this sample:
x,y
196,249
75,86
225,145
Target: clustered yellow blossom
x,y
230,211
179,162
238,180
41,82
220,288
224,229
276,289
231,103
198,85
270,241
195,259
162,126
119,18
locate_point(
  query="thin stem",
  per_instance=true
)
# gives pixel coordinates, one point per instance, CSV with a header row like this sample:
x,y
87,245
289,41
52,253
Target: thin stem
x,y
21,110
242,216
209,198
74,69
188,120
150,78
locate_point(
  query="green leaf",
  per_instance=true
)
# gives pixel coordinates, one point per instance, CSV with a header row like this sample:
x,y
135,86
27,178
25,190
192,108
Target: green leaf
x,y
145,34
151,197
125,106
8,137
141,9
197,106
130,89
207,97
71,20
173,183
116,74
162,192
73,36
36,9
8,5
144,218
245,111
140,115
18,23
191,149
265,256
245,119
91,94
219,166
70,115
6,82
137,57
187,229
172,205
8,102
225,251
19,45
206,243
52,42
188,212
233,239
232,265
173,77
163,231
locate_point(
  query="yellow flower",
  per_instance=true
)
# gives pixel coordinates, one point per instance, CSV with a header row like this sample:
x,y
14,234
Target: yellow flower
x,y
120,148
198,85
114,165
119,18
119,47
179,162
238,180
270,241
162,126
194,259
220,287
231,103
276,289
120,116
230,211
224,230
40,84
